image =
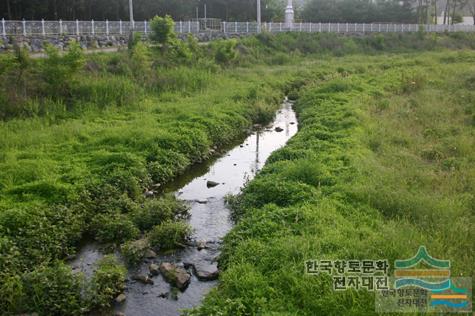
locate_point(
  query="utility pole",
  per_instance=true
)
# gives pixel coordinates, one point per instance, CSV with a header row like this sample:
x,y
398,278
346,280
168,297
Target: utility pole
x,y
131,11
258,16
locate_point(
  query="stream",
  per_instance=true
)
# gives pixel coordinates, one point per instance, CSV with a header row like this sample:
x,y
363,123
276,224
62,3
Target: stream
x,y
209,218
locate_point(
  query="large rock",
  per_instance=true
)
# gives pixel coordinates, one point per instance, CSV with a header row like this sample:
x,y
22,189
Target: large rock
x,y
204,272
174,275
211,184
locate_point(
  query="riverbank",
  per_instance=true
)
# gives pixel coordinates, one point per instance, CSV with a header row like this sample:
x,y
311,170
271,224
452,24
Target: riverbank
x,y
382,164
93,172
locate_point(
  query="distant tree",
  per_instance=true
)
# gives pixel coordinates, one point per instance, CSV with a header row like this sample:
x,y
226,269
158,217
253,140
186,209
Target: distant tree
x,y
163,30
471,8
358,11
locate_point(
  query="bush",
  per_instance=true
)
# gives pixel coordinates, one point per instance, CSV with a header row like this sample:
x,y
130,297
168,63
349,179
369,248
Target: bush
x,y
225,51
53,290
58,72
163,30
115,228
12,294
107,282
157,211
134,251
169,235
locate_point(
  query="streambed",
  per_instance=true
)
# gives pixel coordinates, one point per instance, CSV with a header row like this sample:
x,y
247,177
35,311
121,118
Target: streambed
x,y
209,218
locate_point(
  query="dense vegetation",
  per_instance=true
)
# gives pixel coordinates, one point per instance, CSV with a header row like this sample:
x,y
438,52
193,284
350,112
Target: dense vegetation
x,y
83,138
231,10
384,162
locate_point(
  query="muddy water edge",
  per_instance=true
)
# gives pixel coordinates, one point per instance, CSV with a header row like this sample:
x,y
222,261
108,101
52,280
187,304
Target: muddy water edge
x,y
209,218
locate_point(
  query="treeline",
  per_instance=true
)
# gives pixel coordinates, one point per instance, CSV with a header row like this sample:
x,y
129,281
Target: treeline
x,y
359,11
230,10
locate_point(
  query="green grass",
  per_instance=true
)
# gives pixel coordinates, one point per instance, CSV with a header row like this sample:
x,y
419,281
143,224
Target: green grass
x,y
383,163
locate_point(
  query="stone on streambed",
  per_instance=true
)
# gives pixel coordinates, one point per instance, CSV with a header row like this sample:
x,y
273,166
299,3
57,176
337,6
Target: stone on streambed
x,y
154,269
200,245
209,273
120,298
174,275
150,254
211,184
145,279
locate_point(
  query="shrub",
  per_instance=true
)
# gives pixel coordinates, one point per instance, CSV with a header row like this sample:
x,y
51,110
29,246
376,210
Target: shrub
x,y
116,228
107,282
163,29
53,290
134,251
225,51
12,294
58,72
157,211
169,235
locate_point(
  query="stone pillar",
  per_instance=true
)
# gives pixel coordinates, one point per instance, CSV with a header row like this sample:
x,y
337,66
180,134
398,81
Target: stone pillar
x,y
289,15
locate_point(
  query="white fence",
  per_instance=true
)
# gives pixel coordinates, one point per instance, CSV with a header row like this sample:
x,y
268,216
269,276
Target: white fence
x,y
45,28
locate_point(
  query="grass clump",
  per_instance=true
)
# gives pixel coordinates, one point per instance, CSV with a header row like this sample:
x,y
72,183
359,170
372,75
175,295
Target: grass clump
x,y
107,282
169,235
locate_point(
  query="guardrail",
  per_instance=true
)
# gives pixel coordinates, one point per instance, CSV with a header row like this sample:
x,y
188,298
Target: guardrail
x,y
45,28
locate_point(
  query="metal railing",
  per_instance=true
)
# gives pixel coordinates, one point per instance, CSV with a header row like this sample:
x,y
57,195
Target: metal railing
x,y
46,28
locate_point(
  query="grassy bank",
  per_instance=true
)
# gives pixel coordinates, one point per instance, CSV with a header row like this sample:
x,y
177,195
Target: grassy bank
x,y
85,137
383,163
77,156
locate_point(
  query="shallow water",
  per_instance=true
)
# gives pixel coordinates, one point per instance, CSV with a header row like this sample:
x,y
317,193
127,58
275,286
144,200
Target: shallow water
x,y
209,218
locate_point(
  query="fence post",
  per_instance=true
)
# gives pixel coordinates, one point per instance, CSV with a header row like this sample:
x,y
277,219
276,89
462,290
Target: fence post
x,y
338,27
319,27
145,26
224,27
310,28
347,28
270,27
77,27
107,27
329,27
235,27
189,26
364,30
24,27
371,27
43,31
120,27
60,27
247,27
4,31
379,27
92,27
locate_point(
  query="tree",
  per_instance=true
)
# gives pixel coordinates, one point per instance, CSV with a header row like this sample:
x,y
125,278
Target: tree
x,y
471,8
163,30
